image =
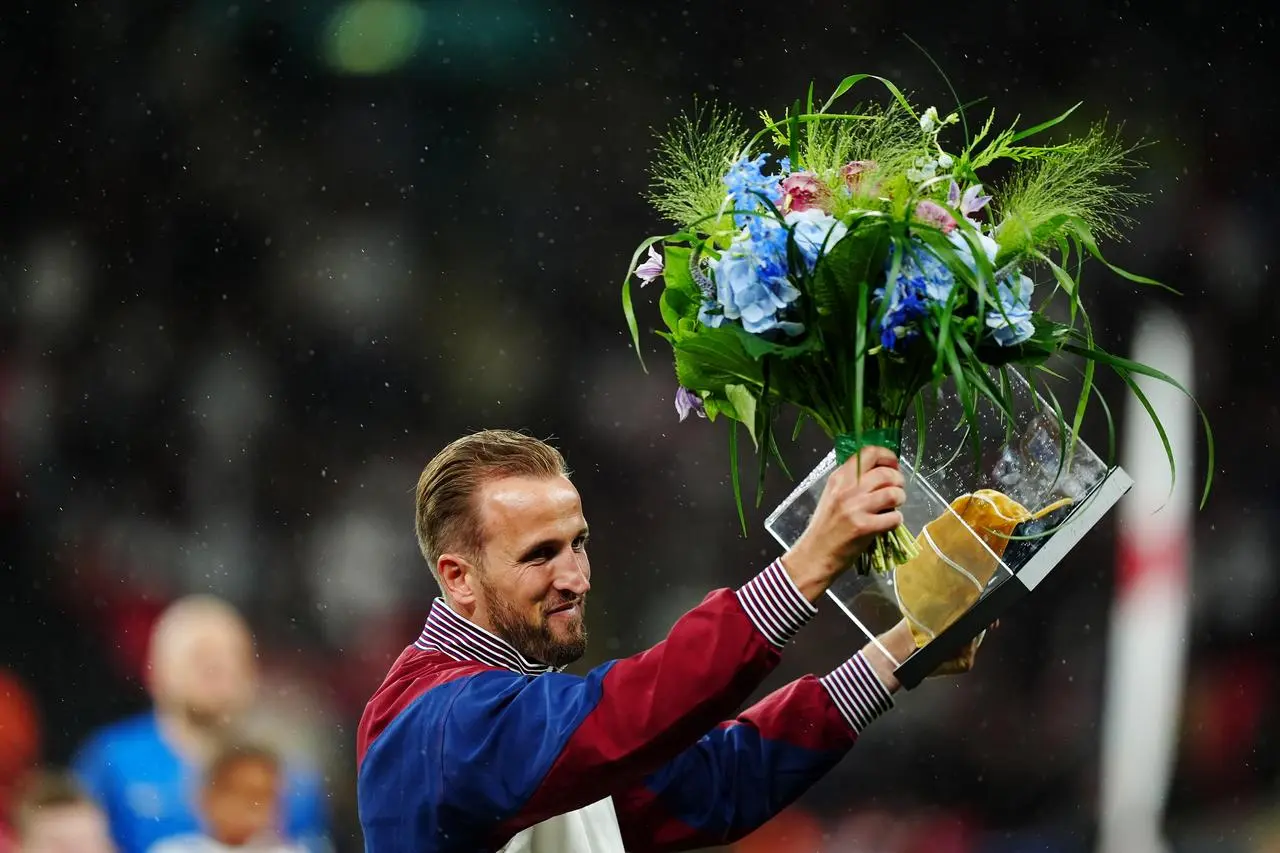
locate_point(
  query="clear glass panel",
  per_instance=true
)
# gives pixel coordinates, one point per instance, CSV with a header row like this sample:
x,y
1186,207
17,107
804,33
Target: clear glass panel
x,y
967,512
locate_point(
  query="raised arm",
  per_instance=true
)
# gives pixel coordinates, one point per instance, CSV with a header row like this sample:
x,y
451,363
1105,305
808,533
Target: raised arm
x,y
745,771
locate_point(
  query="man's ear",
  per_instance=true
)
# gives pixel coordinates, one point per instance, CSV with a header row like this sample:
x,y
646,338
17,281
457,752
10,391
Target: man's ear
x,y
458,577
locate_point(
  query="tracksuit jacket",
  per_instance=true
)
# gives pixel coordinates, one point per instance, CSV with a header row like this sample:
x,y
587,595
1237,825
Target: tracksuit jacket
x,y
470,746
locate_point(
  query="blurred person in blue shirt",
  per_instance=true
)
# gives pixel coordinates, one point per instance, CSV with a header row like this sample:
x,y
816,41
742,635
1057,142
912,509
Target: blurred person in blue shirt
x,y
148,771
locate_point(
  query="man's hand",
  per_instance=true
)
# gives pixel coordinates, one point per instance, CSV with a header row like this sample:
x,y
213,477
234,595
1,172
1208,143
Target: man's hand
x,y
859,502
899,642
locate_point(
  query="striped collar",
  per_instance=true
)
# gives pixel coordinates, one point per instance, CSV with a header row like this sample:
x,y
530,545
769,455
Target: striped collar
x,y
461,639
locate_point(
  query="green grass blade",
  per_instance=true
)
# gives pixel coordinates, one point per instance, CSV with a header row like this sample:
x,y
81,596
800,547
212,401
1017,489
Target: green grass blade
x,y
795,432
808,109
764,427
777,454
733,475
1111,426
1061,420
1031,384
1065,282
766,441
1084,234
921,420
1155,420
860,360
979,379
1040,368
1006,393
1086,387
793,137
854,79
966,402
964,122
1044,125
1124,367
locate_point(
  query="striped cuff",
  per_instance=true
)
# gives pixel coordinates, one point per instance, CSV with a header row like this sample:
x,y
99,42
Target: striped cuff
x,y
774,604
857,692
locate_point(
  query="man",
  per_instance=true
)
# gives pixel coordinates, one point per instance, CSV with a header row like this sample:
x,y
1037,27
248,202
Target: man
x,y
53,815
146,771
476,740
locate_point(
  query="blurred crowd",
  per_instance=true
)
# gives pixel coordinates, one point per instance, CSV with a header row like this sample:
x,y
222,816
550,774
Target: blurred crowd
x,y
252,280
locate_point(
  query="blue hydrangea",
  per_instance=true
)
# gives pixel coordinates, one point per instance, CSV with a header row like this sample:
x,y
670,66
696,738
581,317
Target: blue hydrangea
x,y
921,278
815,233
752,285
746,183
1012,324
899,325
752,278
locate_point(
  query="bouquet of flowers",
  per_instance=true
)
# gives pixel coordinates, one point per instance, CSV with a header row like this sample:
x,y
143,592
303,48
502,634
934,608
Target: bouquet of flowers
x,y
840,263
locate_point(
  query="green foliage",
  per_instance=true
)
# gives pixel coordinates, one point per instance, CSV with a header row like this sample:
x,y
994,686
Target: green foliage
x,y
1051,195
1046,219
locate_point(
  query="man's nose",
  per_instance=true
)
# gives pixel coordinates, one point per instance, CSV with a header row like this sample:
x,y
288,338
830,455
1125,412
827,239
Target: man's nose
x,y
574,575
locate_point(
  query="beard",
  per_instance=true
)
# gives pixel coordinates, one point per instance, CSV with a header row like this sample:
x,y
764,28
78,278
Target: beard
x,y
538,641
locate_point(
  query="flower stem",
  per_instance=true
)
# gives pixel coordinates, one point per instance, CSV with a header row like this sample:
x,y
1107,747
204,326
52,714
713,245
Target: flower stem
x,y
887,552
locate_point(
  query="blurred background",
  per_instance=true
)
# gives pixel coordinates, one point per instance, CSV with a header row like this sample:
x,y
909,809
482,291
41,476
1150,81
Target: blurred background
x,y
259,261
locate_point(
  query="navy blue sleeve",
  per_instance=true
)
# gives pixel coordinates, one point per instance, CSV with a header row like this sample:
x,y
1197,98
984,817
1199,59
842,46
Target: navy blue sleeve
x,y
737,777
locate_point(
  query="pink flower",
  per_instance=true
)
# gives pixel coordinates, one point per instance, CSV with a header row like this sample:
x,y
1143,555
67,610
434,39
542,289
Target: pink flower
x,y
650,269
804,191
853,171
932,213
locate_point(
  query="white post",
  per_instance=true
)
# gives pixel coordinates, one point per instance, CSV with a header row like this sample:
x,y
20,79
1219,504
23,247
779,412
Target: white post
x,y
1149,621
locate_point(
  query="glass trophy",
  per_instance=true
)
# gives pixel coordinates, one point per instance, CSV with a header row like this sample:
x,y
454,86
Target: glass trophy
x,y
990,527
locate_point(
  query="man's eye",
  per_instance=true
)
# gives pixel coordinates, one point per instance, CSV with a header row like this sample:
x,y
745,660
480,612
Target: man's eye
x,y
579,543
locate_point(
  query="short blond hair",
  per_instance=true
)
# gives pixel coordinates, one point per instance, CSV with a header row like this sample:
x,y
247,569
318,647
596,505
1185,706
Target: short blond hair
x,y
446,517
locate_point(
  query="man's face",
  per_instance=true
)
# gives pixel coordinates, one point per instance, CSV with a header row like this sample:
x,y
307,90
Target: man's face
x,y
204,668
80,828
533,573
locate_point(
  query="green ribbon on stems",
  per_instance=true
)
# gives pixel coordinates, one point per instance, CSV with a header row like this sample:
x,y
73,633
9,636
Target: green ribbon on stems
x,y
848,445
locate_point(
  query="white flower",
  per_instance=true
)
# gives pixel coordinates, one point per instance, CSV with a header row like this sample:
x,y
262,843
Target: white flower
x,y
945,161
650,269
929,120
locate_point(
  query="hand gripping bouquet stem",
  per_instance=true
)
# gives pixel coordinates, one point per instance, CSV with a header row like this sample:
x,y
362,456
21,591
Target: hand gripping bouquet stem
x,y
851,265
